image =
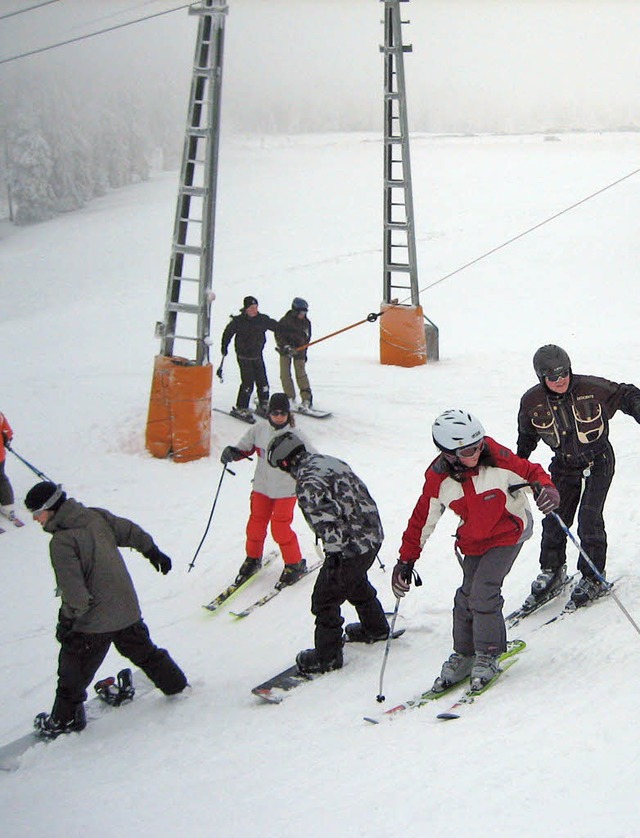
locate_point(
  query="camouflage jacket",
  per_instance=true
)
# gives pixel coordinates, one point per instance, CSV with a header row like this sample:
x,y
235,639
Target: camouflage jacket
x,y
337,506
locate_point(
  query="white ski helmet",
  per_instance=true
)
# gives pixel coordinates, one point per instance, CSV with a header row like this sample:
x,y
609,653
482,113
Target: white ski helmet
x,y
456,429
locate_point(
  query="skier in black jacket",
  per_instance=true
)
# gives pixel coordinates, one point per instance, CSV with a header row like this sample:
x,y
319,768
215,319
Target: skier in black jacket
x,y
571,414
294,330
249,328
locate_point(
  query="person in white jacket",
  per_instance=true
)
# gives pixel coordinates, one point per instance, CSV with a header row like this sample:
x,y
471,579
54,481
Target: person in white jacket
x,y
273,496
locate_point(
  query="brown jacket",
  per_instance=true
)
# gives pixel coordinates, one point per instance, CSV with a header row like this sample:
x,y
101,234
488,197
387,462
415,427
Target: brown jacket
x,y
93,580
574,424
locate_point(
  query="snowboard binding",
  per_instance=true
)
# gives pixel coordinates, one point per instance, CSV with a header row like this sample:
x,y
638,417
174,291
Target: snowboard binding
x,y
115,691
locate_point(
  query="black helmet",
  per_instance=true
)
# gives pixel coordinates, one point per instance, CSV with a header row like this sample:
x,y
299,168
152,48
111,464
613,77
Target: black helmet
x,y
45,496
550,361
298,304
283,450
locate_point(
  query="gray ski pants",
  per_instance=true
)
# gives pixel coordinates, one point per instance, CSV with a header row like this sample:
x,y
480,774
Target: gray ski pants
x,y
478,624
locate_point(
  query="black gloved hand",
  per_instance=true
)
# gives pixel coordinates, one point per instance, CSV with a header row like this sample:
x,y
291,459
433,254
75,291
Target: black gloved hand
x,y
159,560
219,373
401,577
547,497
289,351
7,439
64,628
230,454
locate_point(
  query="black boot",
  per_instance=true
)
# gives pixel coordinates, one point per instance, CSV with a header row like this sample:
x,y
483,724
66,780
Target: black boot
x,y
357,634
309,662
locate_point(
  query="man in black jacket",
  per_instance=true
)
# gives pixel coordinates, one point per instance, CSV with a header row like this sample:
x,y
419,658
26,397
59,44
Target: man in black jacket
x,y
99,603
249,328
571,414
294,331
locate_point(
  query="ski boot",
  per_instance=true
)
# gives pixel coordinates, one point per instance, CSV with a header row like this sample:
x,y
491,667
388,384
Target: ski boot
x,y
357,634
248,567
291,573
48,726
547,581
454,670
587,589
485,668
310,663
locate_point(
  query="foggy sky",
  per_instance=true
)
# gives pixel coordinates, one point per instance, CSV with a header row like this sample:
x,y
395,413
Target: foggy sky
x,y
314,65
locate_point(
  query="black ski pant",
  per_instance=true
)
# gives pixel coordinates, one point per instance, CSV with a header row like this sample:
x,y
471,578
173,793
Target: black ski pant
x,y
478,624
590,494
344,580
81,655
6,492
252,373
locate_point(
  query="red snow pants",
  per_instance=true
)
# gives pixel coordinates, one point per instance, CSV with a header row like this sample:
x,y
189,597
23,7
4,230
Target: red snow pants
x,y
278,511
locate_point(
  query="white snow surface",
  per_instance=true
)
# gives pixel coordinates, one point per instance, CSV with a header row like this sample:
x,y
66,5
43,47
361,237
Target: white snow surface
x,y
552,750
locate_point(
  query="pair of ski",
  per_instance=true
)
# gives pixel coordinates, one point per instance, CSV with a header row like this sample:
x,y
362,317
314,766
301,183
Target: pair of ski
x,y
235,588
13,520
469,696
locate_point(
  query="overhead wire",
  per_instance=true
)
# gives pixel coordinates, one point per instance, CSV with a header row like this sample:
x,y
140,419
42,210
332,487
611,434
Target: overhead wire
x,y
93,34
28,9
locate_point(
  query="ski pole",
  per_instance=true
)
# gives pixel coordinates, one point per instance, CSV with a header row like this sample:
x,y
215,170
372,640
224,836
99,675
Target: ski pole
x,y
608,585
215,500
380,697
35,470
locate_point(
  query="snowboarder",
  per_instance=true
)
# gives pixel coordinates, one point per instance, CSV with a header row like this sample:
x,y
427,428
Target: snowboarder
x,y
294,330
273,497
472,476
6,490
571,414
250,328
99,603
339,509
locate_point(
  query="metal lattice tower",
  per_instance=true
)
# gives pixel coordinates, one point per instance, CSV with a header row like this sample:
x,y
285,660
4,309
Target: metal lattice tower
x,y
188,301
400,260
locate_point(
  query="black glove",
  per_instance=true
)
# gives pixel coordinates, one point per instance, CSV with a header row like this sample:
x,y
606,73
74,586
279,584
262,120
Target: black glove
x,y
401,577
7,439
64,628
230,454
547,497
219,373
289,351
160,561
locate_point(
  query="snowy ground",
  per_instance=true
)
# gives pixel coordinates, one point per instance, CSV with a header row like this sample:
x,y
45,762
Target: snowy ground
x,y
552,751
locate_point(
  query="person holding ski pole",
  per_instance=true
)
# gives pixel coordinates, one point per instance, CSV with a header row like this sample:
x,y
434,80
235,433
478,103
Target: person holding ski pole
x,y
344,517
99,603
249,329
6,490
472,476
294,330
571,414
273,496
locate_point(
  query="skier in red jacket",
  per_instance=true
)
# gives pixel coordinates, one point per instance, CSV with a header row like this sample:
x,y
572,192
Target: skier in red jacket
x,y
473,476
6,490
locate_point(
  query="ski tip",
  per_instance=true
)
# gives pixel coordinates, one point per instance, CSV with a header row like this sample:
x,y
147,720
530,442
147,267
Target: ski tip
x,y
371,720
268,696
445,717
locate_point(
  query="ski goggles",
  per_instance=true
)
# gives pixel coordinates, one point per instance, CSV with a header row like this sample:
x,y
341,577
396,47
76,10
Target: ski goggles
x,y
556,375
467,452
278,413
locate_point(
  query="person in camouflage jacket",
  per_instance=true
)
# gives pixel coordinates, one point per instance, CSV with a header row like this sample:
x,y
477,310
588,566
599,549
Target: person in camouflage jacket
x,y
344,517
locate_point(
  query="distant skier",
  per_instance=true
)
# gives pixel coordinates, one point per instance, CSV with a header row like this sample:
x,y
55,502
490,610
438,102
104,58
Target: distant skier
x,y
6,490
249,328
571,414
273,496
339,509
99,603
472,476
294,330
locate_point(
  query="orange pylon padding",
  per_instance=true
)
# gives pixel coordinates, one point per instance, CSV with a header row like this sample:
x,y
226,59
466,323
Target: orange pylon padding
x,y
179,420
403,341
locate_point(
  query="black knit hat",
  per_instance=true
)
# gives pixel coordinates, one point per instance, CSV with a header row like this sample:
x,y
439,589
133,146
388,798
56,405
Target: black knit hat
x,y
45,496
279,402
249,301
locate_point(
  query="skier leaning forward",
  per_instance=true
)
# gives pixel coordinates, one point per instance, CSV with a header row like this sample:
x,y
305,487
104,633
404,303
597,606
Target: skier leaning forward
x,y
472,476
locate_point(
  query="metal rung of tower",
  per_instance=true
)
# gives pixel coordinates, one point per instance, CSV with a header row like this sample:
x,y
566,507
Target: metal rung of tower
x,y
188,300
398,225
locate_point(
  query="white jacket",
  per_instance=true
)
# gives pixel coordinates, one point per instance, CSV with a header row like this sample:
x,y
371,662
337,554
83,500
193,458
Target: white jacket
x,y
269,481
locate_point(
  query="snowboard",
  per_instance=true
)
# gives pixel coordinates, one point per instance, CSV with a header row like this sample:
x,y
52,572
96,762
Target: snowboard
x,y
248,420
12,752
274,690
313,412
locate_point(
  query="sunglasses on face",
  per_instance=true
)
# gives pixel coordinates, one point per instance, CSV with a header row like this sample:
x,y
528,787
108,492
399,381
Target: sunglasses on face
x,y
556,375
279,412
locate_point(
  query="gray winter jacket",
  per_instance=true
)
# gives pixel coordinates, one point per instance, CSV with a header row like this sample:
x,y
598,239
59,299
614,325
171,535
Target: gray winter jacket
x,y
93,580
337,506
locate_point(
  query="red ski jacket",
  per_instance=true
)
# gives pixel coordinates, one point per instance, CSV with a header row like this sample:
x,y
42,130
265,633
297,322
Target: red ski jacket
x,y
490,515
5,434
